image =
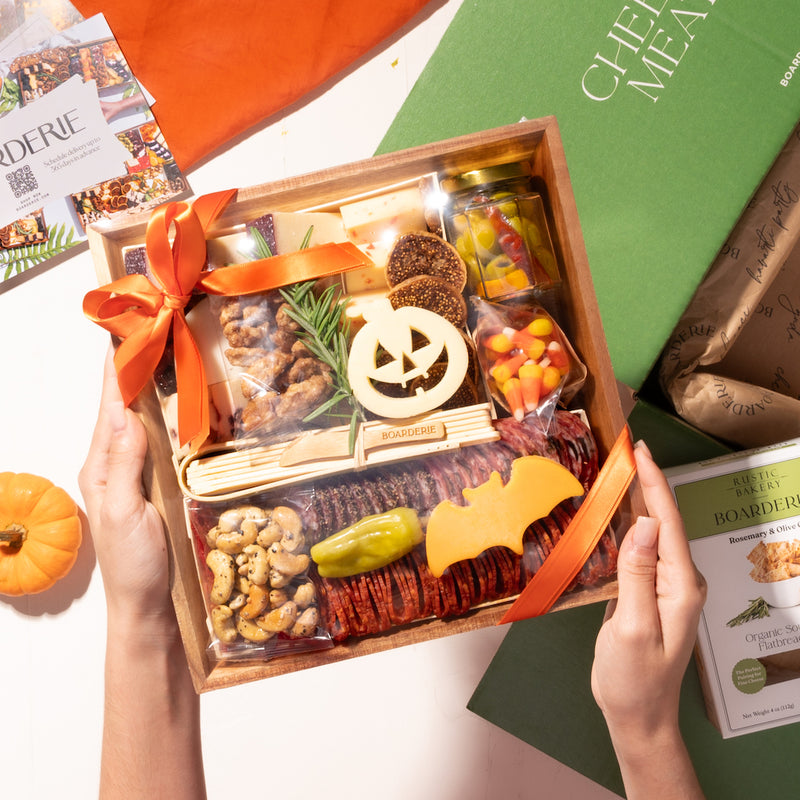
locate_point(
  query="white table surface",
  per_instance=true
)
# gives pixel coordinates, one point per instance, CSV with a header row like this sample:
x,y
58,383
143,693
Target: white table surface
x,y
392,725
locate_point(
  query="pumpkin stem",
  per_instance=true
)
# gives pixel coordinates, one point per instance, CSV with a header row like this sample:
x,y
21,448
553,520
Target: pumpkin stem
x,y
13,536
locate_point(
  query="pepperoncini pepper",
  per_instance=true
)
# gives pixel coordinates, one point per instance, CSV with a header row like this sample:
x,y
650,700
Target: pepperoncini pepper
x,y
372,542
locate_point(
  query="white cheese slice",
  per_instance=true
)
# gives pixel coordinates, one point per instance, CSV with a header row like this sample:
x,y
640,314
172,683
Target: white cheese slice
x,y
374,223
292,227
289,229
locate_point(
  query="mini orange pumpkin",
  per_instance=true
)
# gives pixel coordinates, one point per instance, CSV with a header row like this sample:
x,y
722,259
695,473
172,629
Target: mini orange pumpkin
x,y
40,532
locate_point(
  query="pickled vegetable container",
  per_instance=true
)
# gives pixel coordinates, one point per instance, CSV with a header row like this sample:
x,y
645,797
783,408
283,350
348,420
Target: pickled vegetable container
x,y
498,225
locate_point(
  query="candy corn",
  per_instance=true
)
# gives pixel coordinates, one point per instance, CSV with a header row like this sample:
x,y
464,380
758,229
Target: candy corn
x,y
507,367
512,390
541,326
526,363
551,377
557,355
500,342
530,377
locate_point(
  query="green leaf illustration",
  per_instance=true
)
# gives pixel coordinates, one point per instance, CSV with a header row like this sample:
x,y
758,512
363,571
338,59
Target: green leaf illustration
x,y
17,260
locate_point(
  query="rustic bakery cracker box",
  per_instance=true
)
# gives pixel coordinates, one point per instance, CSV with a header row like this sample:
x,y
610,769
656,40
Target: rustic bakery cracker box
x,y
742,516
389,356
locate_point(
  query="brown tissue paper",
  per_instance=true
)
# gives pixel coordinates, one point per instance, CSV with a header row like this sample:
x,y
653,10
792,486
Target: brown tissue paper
x,y
732,365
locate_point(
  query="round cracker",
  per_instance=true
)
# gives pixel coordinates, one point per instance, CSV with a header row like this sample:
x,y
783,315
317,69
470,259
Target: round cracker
x,y
433,294
423,253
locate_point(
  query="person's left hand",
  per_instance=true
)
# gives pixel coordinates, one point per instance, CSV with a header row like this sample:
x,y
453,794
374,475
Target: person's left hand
x,y
126,529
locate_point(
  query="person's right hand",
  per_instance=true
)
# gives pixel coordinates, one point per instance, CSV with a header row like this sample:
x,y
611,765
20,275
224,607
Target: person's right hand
x,y
646,642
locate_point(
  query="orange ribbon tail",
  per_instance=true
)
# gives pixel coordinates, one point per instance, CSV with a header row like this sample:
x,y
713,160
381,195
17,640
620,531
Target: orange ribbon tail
x,y
581,537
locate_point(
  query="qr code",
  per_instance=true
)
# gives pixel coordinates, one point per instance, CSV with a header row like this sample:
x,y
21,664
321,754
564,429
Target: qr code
x,y
22,181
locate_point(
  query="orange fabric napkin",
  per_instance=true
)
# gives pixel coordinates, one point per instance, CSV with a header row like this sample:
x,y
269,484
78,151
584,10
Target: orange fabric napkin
x,y
216,69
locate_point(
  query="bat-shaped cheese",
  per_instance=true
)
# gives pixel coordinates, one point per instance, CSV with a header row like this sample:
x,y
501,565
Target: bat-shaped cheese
x,y
497,514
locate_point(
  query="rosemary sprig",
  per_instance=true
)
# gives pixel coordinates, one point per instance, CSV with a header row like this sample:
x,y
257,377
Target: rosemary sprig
x,y
758,609
325,332
261,248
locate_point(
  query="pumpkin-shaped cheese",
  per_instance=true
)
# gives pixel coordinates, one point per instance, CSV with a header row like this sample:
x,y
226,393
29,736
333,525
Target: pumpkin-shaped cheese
x,y
391,331
40,532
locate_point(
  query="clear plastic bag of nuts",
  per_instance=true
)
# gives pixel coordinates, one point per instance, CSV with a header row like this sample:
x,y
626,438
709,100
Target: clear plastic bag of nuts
x,y
253,563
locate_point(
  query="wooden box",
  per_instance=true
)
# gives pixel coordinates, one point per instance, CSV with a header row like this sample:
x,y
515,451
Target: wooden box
x,y
535,141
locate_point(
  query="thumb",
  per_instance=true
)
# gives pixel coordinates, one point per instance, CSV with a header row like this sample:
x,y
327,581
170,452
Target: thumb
x,y
636,570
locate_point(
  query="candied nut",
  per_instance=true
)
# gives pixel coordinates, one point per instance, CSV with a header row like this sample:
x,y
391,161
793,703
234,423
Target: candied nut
x,y
306,623
279,619
221,565
223,624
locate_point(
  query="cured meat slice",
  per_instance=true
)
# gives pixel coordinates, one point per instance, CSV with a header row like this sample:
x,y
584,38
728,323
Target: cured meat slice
x,y
406,591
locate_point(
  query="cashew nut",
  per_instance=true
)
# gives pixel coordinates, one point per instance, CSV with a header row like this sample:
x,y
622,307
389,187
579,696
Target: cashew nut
x,y
305,594
269,535
223,625
256,558
242,560
250,631
287,563
306,623
257,564
237,601
284,523
231,519
211,536
257,601
221,565
234,542
277,597
279,619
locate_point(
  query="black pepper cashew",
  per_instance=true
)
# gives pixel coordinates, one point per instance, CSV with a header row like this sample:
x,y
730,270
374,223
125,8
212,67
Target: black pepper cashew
x,y
257,601
277,597
211,536
305,594
250,631
233,542
306,623
257,564
237,601
284,526
232,518
279,619
222,567
242,560
223,624
285,563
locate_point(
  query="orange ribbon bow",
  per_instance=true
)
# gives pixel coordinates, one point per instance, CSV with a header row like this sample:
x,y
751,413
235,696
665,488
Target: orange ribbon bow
x,y
142,314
